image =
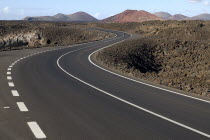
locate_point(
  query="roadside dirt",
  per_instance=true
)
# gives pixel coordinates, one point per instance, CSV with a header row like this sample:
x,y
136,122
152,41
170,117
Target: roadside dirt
x,y
172,53
25,34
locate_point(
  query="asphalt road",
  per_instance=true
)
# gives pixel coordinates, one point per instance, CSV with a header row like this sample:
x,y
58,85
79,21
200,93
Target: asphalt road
x,y
61,95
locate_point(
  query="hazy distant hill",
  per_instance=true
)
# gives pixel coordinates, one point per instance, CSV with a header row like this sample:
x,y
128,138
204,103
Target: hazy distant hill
x,y
60,16
167,16
163,15
177,17
82,16
79,16
200,17
131,16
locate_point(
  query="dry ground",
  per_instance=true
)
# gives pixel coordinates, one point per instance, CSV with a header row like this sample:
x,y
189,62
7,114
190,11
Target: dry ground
x,y
25,34
171,53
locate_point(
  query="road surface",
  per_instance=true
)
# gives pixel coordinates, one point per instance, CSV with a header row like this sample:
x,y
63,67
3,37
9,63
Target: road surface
x,y
61,95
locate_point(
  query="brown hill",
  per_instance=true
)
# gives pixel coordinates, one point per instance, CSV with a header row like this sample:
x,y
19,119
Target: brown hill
x,y
131,16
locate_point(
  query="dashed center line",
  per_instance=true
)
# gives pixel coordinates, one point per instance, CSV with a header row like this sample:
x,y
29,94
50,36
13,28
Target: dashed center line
x,y
9,78
37,131
6,107
15,93
22,106
8,73
11,84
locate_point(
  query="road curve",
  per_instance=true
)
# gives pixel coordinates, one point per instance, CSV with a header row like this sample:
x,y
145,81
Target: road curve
x,y
63,96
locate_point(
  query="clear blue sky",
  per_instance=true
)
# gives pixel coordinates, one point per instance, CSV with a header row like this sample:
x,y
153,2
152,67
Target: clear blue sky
x,y
18,9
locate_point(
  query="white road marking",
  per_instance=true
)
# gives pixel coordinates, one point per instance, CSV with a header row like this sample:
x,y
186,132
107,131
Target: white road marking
x,y
37,131
188,96
8,73
6,107
15,93
127,102
11,84
9,78
33,125
22,106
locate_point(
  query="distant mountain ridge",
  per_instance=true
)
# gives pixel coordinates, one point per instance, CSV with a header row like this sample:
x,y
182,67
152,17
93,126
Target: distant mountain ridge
x,y
126,16
167,16
178,17
131,16
79,16
205,16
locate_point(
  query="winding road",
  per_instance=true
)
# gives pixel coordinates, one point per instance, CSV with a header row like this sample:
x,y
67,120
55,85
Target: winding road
x,y
63,95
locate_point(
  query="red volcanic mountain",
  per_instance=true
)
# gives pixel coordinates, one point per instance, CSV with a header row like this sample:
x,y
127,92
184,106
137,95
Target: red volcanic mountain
x,y
132,16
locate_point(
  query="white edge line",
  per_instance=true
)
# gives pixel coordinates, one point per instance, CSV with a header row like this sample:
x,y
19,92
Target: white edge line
x,y
37,131
89,58
124,101
22,106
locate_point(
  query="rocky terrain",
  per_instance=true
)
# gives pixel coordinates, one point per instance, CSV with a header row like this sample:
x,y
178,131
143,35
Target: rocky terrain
x,y
131,16
19,34
171,53
76,17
